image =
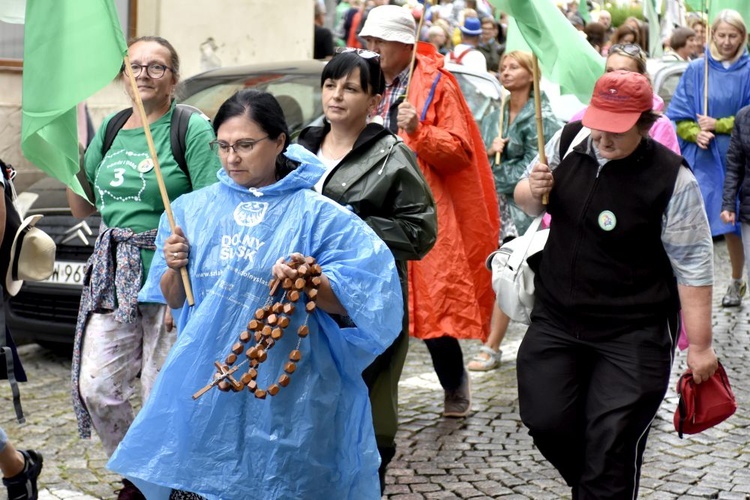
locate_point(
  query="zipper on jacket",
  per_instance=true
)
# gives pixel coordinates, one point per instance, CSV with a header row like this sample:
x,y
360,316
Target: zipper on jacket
x,y
579,235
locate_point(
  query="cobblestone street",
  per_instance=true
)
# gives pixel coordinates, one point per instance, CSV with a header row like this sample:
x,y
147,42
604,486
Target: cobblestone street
x,y
486,455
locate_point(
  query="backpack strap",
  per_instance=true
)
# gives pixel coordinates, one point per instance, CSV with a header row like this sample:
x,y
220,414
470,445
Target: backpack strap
x,y
458,59
178,132
113,127
178,138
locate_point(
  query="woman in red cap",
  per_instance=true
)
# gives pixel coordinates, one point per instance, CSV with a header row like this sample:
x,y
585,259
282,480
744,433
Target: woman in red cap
x,y
630,243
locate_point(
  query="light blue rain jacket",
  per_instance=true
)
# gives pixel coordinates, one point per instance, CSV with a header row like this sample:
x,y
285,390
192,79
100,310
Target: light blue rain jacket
x,y
314,440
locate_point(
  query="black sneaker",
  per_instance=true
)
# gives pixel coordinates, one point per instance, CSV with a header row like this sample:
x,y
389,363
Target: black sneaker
x,y
23,486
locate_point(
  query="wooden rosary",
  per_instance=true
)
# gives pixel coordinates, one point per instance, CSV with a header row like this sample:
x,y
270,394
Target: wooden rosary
x,y
266,329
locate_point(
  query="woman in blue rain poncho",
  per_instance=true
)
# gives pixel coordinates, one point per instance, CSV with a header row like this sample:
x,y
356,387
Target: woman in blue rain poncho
x,y
704,136
314,439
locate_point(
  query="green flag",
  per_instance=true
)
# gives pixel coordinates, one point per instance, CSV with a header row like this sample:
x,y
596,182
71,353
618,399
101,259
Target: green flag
x,y
583,10
565,57
72,49
741,6
655,48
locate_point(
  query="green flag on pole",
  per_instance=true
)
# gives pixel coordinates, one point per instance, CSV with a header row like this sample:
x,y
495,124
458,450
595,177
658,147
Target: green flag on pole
x,y
741,6
72,49
565,57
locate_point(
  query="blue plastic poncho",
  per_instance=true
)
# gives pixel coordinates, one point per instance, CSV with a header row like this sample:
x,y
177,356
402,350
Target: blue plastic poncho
x,y
315,438
728,91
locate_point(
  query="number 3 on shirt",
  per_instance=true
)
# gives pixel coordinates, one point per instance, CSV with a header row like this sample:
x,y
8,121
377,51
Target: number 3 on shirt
x,y
119,177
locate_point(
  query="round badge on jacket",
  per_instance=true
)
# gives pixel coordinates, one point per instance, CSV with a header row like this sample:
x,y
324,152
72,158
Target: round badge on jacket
x,y
145,166
607,220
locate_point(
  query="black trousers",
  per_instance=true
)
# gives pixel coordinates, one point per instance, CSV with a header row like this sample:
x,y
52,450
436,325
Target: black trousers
x,y
589,405
448,360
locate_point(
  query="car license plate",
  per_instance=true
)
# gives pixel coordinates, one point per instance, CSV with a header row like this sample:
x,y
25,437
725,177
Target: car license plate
x,y
67,273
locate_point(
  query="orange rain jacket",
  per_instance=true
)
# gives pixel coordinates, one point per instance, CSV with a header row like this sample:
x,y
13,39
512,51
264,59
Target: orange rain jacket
x,y
450,289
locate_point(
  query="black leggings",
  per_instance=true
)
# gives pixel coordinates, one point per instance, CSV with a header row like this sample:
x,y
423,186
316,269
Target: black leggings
x,y
448,360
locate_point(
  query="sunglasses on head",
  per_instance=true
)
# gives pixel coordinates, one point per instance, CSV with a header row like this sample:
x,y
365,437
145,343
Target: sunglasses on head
x,y
363,53
630,49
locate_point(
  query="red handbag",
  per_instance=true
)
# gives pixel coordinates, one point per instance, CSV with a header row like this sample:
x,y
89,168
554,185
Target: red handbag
x,y
703,405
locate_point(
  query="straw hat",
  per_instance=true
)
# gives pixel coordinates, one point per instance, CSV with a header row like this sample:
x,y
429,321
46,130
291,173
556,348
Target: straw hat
x,y
32,255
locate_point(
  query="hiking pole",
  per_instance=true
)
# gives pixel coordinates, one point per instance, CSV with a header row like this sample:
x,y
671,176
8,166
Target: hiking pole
x,y
539,125
157,171
502,119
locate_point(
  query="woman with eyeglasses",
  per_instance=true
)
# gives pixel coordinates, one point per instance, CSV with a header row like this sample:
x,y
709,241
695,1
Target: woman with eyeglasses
x,y
118,337
299,425
704,134
371,172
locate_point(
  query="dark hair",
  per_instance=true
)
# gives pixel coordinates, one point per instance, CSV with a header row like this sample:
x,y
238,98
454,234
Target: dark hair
x,y
623,31
263,109
595,34
647,120
175,59
343,64
680,37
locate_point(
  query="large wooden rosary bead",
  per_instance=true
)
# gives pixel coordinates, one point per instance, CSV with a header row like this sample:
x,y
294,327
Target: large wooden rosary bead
x,y
287,283
303,330
224,386
237,348
254,325
260,314
284,380
252,386
262,355
290,367
295,355
273,390
246,378
310,306
252,353
299,283
316,281
303,270
260,394
313,294
283,321
277,308
231,359
310,260
245,336
272,319
292,295
288,308
277,333
266,331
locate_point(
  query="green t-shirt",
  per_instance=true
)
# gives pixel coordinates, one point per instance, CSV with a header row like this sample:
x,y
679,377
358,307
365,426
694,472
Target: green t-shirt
x,y
124,182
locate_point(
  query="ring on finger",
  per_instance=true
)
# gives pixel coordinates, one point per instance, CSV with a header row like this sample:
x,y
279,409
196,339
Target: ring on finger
x,y
174,255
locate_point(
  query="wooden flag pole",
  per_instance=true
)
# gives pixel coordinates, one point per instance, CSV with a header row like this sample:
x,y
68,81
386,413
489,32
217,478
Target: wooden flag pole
x,y
502,119
157,170
414,55
539,123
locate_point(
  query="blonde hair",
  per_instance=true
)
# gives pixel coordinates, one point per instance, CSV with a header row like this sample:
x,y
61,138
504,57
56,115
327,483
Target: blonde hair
x,y
524,59
733,19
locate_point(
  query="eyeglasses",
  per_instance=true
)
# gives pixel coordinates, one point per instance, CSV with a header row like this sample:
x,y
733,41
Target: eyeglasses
x,y
629,49
153,70
363,53
241,147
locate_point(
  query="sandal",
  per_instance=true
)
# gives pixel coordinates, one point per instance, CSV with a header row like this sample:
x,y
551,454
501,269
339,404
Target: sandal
x,y
486,359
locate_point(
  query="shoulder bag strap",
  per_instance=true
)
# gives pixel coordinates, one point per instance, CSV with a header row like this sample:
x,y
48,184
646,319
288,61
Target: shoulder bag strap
x,y
519,254
5,351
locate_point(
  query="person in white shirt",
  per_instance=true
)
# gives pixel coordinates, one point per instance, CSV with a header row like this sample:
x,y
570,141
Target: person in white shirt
x,y
466,52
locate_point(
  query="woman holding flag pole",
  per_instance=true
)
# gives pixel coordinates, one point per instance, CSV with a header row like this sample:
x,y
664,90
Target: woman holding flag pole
x,y
710,93
133,179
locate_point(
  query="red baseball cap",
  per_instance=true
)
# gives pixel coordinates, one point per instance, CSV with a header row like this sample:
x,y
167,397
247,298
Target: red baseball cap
x,y
619,99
